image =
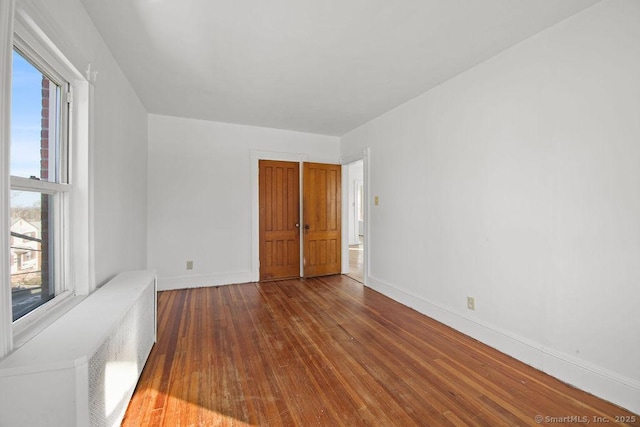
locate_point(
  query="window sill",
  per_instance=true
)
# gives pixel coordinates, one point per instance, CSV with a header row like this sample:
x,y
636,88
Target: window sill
x,y
33,323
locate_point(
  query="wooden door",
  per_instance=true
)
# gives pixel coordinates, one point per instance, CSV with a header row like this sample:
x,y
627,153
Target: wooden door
x,y
279,202
322,211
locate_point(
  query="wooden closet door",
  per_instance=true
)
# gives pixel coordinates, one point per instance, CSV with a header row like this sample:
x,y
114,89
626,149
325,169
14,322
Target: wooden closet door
x,y
322,212
279,203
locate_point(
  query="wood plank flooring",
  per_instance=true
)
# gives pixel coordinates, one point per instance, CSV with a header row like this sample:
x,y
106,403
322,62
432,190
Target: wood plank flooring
x,y
356,262
330,352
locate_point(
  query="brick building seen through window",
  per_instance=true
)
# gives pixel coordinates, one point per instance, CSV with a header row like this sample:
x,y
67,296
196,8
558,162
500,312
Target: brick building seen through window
x,y
31,226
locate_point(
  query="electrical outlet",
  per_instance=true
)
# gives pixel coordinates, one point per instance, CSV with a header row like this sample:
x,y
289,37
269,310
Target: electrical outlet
x,y
471,303
189,265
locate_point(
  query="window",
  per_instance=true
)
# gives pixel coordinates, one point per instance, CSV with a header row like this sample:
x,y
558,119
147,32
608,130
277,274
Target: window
x,y
39,181
47,217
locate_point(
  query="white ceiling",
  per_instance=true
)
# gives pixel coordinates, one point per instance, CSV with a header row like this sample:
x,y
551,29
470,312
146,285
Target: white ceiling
x,y
319,66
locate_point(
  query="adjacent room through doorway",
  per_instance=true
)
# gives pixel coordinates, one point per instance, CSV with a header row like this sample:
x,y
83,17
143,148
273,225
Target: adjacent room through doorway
x,y
356,220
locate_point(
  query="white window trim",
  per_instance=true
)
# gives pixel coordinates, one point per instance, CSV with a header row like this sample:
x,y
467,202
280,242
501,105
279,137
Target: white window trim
x,y
78,241
28,184
6,51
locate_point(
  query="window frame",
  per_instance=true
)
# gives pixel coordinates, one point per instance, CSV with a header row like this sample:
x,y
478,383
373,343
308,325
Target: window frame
x,y
57,186
76,194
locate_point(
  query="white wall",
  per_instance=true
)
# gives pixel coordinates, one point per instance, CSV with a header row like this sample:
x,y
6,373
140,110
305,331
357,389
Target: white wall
x,y
201,191
518,183
119,142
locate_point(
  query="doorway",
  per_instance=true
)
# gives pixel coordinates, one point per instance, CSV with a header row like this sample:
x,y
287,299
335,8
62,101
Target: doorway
x,y
356,225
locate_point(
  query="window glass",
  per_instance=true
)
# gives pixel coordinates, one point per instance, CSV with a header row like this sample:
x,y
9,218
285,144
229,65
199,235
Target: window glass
x,y
32,281
35,115
36,147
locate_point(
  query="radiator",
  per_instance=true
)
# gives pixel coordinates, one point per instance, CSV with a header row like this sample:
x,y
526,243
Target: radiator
x,y
82,369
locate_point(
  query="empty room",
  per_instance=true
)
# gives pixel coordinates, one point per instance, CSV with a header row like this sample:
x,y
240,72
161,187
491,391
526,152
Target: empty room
x,y
295,212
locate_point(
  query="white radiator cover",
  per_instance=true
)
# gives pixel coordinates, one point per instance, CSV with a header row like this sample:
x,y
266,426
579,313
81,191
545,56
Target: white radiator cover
x,y
83,368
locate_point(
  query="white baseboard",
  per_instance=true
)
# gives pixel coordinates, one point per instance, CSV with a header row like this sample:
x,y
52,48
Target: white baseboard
x,y
608,385
601,382
204,280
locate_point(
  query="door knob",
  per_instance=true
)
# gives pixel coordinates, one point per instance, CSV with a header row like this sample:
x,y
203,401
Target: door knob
x,y
297,225
306,226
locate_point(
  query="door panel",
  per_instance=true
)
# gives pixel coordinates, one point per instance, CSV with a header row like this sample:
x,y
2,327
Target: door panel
x,y
279,203
322,217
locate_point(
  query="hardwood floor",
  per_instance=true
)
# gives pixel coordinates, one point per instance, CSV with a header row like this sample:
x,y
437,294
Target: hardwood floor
x,y
356,262
328,351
